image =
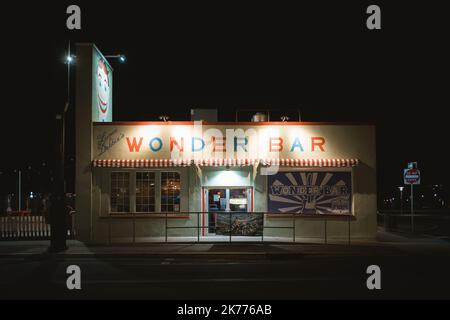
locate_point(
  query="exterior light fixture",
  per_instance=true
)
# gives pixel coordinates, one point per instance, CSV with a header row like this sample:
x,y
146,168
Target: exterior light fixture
x,y
401,198
164,118
122,58
70,59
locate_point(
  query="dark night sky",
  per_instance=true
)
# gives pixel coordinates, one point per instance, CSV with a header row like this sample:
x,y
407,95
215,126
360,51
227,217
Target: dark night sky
x,y
319,58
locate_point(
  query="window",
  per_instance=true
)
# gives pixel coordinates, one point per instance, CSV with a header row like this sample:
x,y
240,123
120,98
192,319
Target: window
x,y
120,192
138,192
145,192
170,192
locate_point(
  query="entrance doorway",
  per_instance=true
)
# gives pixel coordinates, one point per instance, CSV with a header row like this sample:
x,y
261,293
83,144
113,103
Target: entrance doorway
x,y
228,211
225,200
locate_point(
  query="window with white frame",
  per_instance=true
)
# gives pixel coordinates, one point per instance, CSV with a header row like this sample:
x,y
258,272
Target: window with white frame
x,y
145,191
120,191
170,192
138,191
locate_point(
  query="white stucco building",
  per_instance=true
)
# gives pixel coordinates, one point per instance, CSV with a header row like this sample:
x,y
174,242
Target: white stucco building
x,y
205,181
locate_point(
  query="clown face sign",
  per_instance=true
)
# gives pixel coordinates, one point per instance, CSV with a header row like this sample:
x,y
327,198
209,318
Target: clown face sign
x,y
102,89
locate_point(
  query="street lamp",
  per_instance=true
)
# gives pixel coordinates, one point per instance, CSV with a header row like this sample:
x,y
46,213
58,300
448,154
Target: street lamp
x,y
121,57
70,58
401,198
57,215
58,209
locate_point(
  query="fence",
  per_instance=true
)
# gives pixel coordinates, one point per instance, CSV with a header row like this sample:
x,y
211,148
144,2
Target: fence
x,y
429,222
26,228
289,223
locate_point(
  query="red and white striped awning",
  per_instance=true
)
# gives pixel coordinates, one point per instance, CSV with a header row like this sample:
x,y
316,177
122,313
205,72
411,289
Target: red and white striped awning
x,y
141,163
152,163
311,162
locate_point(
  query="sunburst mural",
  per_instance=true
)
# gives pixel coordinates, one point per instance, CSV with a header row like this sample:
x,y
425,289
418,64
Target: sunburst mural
x,y
310,192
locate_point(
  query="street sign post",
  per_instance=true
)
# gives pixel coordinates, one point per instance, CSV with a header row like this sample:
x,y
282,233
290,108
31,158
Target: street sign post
x,y
411,176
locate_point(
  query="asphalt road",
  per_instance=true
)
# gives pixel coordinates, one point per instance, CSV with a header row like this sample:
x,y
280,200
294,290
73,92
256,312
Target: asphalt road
x,y
186,278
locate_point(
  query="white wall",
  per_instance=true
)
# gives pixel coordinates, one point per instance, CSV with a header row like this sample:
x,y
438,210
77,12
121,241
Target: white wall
x,y
234,177
357,141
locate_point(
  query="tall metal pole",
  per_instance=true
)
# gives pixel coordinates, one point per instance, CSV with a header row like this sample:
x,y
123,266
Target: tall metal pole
x,y
412,208
401,201
58,233
66,107
68,73
19,207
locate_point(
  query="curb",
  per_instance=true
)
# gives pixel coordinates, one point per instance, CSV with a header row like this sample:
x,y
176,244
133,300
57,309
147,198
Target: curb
x,y
207,255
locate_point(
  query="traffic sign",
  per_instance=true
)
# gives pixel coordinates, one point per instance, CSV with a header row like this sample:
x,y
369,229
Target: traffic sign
x,y
411,176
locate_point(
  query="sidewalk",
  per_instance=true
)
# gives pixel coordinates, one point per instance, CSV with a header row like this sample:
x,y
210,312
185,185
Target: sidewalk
x,y
387,244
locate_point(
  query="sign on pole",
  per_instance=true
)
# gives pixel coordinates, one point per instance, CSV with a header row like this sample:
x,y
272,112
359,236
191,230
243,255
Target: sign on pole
x,y
411,176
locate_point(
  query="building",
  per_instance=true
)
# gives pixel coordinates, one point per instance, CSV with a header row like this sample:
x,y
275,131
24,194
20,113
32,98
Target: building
x,y
207,181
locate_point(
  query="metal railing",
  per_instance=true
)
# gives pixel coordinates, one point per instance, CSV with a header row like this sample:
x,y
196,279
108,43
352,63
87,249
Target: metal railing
x,y
267,221
427,221
230,223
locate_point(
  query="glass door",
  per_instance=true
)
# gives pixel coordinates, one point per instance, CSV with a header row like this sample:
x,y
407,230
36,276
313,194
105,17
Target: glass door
x,y
217,202
238,199
227,208
240,220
